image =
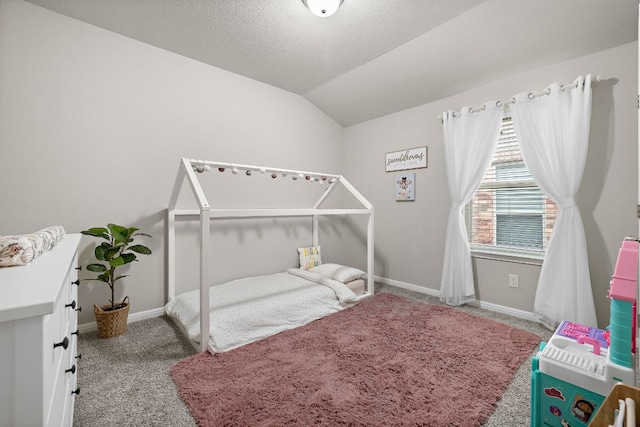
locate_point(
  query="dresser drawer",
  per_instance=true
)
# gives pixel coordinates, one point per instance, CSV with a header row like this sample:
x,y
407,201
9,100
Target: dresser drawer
x,y
55,339
65,383
36,317
59,348
71,291
72,386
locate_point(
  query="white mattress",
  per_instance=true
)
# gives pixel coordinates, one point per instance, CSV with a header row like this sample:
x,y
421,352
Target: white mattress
x,y
357,286
248,309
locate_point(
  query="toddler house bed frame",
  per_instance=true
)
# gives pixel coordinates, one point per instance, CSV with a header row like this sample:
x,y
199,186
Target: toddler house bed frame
x,y
189,169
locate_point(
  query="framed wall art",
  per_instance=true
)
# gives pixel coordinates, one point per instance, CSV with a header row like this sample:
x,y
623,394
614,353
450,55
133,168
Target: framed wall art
x,y
412,158
405,187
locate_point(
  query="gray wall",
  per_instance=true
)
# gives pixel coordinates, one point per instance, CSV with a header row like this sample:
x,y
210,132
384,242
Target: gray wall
x,y
92,128
410,236
93,124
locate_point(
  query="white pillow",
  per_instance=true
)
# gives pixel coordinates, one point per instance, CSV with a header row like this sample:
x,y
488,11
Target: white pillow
x,y
347,274
327,270
309,257
339,272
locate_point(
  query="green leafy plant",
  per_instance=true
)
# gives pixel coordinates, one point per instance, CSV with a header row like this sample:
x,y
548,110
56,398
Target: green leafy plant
x,y
116,251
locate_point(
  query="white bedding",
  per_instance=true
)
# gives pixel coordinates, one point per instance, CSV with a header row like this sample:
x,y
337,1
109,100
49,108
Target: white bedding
x,y
248,309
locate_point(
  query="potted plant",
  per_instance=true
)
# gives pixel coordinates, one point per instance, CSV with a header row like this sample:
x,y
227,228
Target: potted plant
x,y
115,251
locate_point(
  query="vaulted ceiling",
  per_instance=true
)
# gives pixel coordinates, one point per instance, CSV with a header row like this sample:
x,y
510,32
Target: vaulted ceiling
x,y
373,57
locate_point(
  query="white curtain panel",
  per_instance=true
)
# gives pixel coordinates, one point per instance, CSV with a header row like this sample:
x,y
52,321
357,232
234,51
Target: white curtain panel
x,y
469,141
553,133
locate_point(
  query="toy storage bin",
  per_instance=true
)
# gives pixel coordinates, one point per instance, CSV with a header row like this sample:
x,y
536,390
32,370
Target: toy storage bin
x,y
604,415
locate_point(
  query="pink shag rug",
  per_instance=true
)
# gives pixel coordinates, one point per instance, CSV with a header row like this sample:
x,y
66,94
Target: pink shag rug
x,y
387,361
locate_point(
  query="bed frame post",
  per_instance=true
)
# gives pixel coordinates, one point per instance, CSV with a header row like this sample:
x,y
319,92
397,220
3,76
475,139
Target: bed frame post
x,y
370,234
370,255
205,246
205,249
314,228
171,254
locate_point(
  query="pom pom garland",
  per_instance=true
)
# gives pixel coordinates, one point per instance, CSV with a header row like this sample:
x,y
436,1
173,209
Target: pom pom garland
x,y
201,166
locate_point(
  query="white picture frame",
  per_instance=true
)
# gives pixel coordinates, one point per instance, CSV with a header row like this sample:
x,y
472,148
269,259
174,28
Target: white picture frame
x,y
411,158
405,184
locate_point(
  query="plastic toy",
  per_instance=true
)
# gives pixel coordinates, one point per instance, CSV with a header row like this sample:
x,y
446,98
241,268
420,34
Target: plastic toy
x,y
572,374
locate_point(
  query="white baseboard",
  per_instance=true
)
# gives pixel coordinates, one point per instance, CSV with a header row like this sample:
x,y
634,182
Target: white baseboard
x,y
521,314
134,317
408,286
503,309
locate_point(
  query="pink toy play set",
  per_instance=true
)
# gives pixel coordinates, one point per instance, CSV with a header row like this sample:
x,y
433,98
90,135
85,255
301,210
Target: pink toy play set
x,y
573,373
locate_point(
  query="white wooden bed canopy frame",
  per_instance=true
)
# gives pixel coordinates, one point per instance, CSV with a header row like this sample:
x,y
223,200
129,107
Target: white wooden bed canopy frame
x,y
189,170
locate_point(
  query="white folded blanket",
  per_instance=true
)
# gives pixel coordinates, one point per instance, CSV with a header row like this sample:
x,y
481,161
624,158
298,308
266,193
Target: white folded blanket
x,y
22,249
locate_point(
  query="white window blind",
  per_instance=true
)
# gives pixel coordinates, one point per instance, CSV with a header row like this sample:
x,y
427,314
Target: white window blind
x,y
509,214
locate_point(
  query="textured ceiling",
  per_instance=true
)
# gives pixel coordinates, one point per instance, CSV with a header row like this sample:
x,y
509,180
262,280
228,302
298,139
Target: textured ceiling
x,y
373,57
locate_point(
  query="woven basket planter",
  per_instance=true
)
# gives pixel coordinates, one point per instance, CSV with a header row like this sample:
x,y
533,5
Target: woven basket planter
x,y
112,323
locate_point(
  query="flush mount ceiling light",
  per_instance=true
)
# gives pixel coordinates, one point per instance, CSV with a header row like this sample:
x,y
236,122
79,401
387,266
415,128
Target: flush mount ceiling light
x,y
323,8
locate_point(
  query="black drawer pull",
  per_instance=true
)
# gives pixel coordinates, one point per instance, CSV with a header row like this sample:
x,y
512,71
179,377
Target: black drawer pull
x,y
72,369
79,357
77,282
76,332
72,304
79,268
79,309
64,343
76,391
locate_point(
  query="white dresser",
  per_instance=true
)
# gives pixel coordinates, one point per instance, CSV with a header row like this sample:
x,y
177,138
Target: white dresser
x,y
38,338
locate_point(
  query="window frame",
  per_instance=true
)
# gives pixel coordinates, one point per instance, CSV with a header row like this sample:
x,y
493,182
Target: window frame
x,y
502,253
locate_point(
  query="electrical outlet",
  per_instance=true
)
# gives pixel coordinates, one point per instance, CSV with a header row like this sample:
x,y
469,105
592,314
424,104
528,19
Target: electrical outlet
x,y
513,280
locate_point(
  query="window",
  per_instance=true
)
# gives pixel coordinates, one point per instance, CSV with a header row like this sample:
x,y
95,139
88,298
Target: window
x,y
509,214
